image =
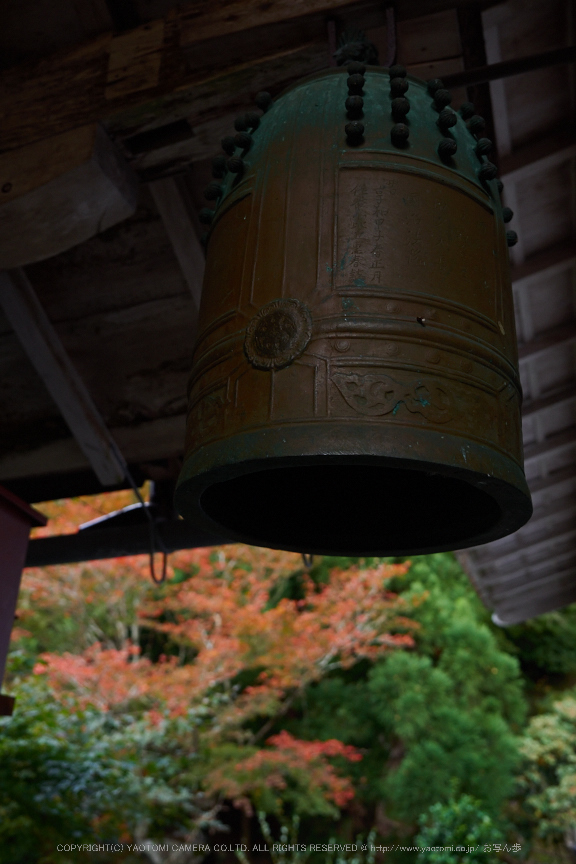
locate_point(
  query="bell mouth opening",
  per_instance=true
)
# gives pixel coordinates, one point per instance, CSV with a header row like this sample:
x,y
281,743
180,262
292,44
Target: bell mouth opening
x,y
352,509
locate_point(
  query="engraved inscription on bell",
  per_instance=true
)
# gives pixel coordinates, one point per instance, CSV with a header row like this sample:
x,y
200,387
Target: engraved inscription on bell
x,y
405,234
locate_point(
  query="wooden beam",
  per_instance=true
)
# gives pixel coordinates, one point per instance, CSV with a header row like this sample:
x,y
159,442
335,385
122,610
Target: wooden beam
x,y
537,157
543,265
553,499
508,68
497,90
552,581
185,64
546,507
554,512
506,615
114,542
561,398
149,440
212,20
474,55
196,44
61,191
558,517
508,569
562,585
503,570
45,351
552,338
552,446
527,586
541,485
518,609
175,209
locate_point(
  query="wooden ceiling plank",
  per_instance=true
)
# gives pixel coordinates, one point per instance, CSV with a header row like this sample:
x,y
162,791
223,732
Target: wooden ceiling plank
x,y
44,349
549,584
552,338
542,485
510,199
59,192
541,587
543,265
530,533
175,214
149,440
543,530
554,400
537,157
517,612
492,571
538,529
141,71
213,19
553,445
509,68
428,38
528,585
187,48
563,502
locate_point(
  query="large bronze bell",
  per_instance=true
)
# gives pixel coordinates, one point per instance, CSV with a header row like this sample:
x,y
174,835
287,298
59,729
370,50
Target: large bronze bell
x,y
355,384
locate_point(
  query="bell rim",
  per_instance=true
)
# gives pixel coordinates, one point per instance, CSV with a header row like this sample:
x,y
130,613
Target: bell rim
x,y
505,484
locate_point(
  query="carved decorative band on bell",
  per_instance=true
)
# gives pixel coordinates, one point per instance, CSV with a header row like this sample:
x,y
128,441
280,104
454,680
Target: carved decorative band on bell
x,y
278,334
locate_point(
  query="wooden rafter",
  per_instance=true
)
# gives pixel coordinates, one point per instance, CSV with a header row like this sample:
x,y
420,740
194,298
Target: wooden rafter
x,y
561,398
185,59
44,349
113,542
534,531
544,264
557,572
507,568
516,611
536,157
200,43
552,338
175,211
152,439
552,446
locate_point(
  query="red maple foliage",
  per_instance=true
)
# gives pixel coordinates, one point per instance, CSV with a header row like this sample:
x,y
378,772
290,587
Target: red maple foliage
x,y
220,610
287,758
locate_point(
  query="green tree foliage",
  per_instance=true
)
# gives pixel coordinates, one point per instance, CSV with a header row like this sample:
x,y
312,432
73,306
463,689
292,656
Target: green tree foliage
x,y
59,776
89,777
546,646
548,778
444,713
405,671
458,832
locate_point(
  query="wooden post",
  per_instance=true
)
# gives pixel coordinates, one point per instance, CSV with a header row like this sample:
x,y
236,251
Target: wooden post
x,y
16,519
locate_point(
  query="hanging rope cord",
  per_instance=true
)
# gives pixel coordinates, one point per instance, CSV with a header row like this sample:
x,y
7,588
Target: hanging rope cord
x,y
156,541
